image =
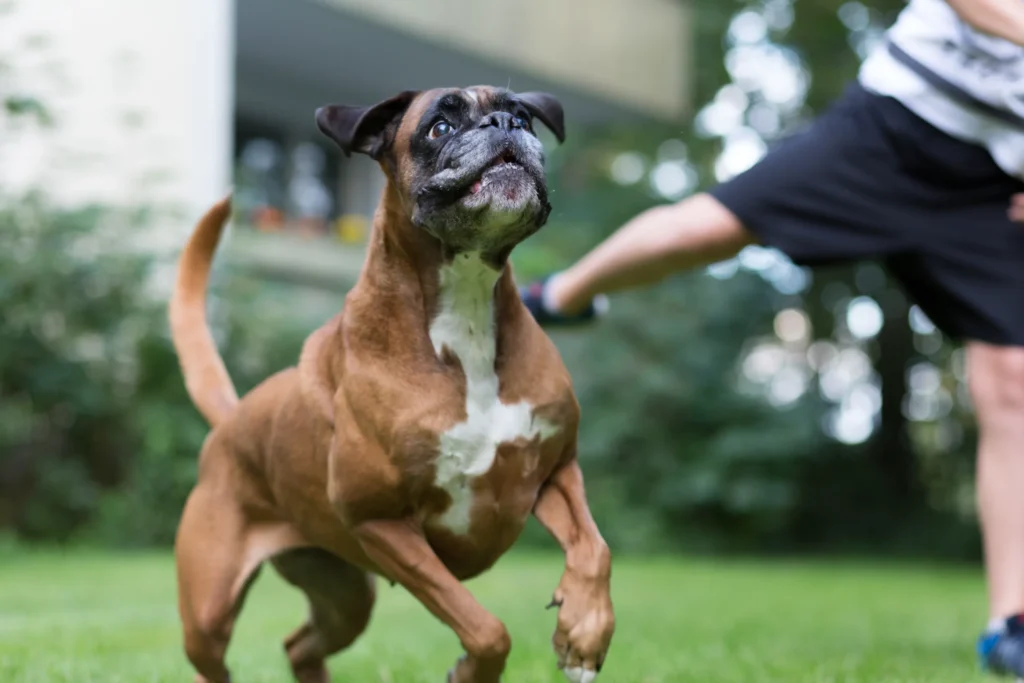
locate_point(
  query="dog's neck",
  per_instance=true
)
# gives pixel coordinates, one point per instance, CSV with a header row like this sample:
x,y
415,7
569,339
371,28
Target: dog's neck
x,y
457,299
464,321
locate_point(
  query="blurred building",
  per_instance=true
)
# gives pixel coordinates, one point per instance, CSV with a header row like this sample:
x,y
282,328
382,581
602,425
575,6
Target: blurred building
x,y
178,100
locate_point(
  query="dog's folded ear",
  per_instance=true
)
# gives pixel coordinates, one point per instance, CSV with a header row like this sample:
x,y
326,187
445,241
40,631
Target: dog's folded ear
x,y
548,109
363,130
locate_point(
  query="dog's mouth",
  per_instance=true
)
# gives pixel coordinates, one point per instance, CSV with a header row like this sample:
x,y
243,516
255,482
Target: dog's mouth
x,y
500,165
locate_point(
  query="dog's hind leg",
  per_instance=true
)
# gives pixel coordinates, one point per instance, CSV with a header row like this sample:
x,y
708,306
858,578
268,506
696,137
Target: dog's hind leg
x,y
341,599
216,566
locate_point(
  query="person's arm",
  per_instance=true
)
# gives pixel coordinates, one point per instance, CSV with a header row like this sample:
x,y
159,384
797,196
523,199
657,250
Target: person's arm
x,y
1017,208
1000,18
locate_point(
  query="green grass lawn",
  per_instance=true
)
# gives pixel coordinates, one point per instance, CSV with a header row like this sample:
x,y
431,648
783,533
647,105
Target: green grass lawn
x,y
91,618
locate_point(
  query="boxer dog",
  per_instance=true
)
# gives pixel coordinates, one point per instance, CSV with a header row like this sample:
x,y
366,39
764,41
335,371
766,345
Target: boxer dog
x,y
422,425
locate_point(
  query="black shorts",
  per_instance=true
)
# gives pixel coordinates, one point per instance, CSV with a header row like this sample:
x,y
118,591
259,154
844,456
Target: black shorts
x,y
872,180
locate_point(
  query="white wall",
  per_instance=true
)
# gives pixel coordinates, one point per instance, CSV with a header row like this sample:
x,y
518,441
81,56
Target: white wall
x,y
142,94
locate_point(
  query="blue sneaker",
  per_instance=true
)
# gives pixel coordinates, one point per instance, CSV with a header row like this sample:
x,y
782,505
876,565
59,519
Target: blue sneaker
x,y
533,297
1001,649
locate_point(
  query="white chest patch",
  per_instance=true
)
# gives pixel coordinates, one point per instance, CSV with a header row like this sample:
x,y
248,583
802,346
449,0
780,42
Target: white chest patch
x,y
465,325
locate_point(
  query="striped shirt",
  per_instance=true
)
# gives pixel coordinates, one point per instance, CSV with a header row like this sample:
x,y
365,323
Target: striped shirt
x,y
964,82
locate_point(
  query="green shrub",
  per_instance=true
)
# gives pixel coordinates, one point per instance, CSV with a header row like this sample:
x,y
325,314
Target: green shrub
x,y
96,430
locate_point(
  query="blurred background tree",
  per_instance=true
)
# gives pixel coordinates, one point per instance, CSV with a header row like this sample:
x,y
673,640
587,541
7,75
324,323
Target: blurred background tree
x,y
752,406
755,405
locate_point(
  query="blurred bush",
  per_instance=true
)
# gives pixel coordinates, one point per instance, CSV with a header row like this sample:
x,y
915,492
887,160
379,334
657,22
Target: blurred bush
x,y
665,416
676,455
67,364
98,438
97,435
99,441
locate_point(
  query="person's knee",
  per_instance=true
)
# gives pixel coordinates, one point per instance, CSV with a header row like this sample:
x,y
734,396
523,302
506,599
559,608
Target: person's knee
x,y
997,385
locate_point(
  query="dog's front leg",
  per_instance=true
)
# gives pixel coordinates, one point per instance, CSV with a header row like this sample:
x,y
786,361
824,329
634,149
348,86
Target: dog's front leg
x,y
403,555
586,620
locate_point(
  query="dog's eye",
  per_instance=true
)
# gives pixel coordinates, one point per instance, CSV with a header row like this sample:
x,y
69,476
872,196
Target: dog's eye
x,y
521,122
440,129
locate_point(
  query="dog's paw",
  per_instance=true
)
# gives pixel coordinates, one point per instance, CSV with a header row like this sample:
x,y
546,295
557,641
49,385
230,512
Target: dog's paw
x,y
469,670
584,632
580,675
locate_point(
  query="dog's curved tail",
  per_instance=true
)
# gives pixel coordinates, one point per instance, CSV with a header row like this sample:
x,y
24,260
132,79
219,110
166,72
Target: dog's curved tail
x,y
206,379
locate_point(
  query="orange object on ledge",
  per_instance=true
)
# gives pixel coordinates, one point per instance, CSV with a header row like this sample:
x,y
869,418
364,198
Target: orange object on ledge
x,y
268,219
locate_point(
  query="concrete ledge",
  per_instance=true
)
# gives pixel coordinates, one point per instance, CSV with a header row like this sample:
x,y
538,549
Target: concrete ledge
x,y
320,263
621,61
633,52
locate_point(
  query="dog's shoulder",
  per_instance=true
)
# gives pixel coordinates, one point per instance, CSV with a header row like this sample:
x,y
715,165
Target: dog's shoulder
x,y
318,368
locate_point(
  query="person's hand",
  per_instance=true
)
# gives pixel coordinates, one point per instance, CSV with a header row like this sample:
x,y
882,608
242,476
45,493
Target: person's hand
x,y
1017,208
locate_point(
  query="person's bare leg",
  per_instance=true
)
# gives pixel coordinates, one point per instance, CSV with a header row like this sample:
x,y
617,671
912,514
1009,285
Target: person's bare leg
x,y
657,243
997,388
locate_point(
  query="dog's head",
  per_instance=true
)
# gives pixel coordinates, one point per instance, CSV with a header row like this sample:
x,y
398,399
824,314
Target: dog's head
x,y
467,163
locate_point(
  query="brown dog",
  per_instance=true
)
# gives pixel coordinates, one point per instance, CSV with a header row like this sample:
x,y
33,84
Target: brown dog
x,y
422,425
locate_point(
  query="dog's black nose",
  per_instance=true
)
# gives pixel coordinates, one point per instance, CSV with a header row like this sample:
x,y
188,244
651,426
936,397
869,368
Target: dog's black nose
x,y
501,120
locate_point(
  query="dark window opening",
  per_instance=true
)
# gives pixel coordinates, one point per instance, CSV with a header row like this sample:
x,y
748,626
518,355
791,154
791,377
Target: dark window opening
x,y
283,183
